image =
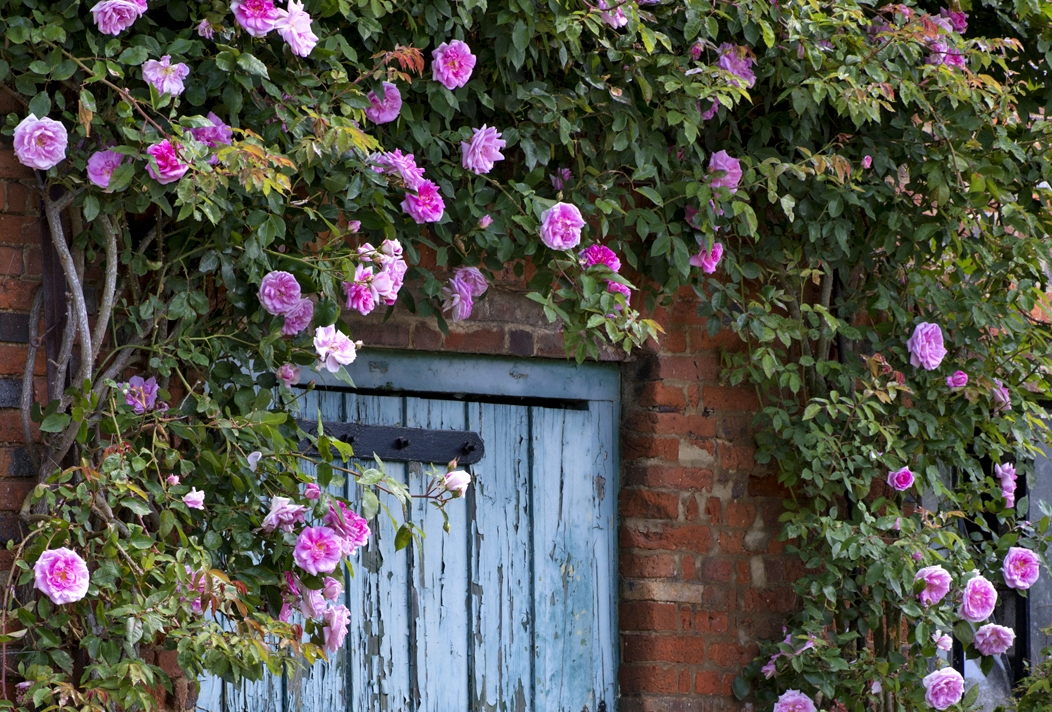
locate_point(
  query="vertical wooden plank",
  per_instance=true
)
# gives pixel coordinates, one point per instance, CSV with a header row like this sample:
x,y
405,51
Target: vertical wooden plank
x,y
501,580
564,567
439,578
263,695
210,697
605,484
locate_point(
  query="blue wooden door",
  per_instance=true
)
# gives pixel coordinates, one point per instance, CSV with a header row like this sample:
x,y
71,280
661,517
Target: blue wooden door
x,y
513,609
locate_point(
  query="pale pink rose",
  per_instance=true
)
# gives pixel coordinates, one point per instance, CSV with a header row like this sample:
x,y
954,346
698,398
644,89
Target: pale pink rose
x,y
336,620
561,226
140,394
979,599
101,166
114,16
351,528
312,492
359,296
473,278
926,346
354,226
942,641
332,588
615,18
206,30
427,205
298,318
898,524
1002,398
993,639
172,480
457,482
794,701
317,550
293,583
253,460
900,480
294,27
709,113
394,274
20,691
334,348
1021,568
218,134
875,687
560,178
618,288
959,379
770,669
708,260
402,165
279,293
485,221
452,64
286,613
257,17
730,169
458,299
169,167
482,151
40,143
958,20
867,161
944,687
288,374
313,604
194,499
736,60
61,575
945,54
283,515
386,110
600,255
938,583
1006,473
165,77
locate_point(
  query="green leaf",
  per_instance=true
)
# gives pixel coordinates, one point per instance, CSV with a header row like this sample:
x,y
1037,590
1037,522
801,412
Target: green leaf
x,y
55,423
133,56
91,208
404,537
40,105
136,505
654,196
370,504
252,65
740,687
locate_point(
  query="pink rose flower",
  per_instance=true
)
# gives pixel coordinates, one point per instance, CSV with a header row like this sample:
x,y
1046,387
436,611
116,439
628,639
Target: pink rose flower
x,y
253,459
937,584
172,480
359,294
218,134
1006,473
708,260
115,16
257,17
618,288
867,162
312,492
427,205
139,394
959,379
101,166
472,277
926,346
615,18
1002,398
729,167
560,178
980,597
600,255
458,299
298,318
313,604
334,348
317,550
385,110
206,30
482,151
169,167
1021,568
404,166
794,701
194,499
943,53
485,221
958,20
332,588
944,687
457,482
288,374
283,515
61,575
993,639
561,226
165,77
294,27
900,480
452,64
279,293
735,59
709,113
352,529
286,613
695,51
336,620
40,143
770,669
942,641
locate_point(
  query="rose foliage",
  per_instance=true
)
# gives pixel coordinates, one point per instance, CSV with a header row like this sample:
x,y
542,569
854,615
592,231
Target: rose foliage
x,y
855,189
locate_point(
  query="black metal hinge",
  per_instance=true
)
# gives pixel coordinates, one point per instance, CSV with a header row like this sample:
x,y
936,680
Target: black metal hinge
x,y
405,444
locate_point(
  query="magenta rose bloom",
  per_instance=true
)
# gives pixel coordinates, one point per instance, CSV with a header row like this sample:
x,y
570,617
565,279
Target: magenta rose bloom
x,y
288,374
900,480
218,134
937,584
194,499
139,394
979,600
560,178
257,17
561,226
959,20
332,588
473,278
427,205
731,169
993,639
458,298
61,575
1002,398
1006,474
336,620
101,166
312,492
206,30
618,288
867,162
1021,568
279,293
600,255
735,60
40,143
482,151
708,260
452,64
165,77
959,379
317,550
283,515
404,166
359,294
298,318
942,641
313,604
944,687
926,346
944,53
384,110
294,27
485,221
794,701
351,528
334,348
113,17
169,167
615,18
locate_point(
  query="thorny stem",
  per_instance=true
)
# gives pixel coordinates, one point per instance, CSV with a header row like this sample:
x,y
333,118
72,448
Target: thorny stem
x,y
26,404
